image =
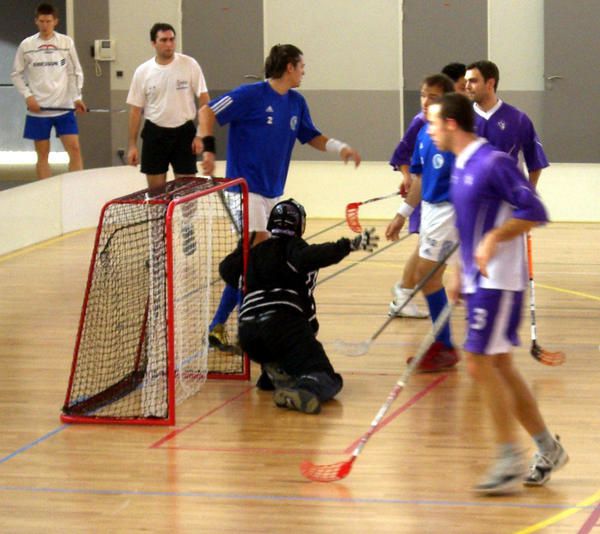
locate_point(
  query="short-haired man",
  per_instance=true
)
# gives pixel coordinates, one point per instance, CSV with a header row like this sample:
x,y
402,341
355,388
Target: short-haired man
x,y
456,72
46,71
495,206
503,125
265,120
169,89
430,189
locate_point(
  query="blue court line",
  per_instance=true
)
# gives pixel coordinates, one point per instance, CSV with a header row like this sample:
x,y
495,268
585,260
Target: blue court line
x,y
33,443
294,498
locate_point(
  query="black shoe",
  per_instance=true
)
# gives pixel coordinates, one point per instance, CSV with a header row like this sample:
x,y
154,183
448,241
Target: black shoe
x,y
297,399
264,383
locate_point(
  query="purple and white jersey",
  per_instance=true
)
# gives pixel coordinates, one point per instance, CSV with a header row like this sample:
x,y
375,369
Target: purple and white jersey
x,y
403,153
511,131
487,188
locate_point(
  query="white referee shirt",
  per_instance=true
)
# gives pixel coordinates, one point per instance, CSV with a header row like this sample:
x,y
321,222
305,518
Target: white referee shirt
x,y
168,93
50,71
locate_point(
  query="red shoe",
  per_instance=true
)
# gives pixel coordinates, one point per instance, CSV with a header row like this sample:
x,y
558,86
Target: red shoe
x,y
437,358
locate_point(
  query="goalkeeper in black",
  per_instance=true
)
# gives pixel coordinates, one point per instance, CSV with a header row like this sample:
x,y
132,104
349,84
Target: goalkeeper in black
x,y
277,318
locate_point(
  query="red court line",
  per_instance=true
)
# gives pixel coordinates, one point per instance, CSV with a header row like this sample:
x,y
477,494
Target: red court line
x,y
263,450
402,408
177,431
591,522
348,449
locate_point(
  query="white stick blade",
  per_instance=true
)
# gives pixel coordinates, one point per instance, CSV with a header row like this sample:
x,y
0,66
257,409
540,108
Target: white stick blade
x,y
351,349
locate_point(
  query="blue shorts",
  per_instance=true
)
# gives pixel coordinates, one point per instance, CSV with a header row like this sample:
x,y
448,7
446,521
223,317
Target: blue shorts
x,y
39,128
493,317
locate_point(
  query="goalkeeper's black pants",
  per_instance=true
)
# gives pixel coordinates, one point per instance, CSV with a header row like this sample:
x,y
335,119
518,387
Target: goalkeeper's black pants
x,y
286,339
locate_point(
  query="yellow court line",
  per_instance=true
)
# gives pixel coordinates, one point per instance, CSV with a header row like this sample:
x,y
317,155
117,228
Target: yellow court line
x,y
570,292
562,515
43,244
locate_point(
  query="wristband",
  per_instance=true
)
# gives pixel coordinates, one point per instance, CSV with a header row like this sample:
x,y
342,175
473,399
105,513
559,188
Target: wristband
x,y
405,210
333,145
209,143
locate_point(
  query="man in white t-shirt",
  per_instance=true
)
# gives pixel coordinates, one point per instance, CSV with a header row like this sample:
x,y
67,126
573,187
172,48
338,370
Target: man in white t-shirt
x,y
168,89
46,71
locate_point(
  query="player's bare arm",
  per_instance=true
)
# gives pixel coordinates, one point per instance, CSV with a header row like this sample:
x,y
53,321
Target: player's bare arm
x,y
329,144
135,117
392,232
197,145
206,129
534,176
406,180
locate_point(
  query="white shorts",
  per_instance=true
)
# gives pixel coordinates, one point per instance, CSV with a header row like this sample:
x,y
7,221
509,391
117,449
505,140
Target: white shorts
x,y
259,209
438,230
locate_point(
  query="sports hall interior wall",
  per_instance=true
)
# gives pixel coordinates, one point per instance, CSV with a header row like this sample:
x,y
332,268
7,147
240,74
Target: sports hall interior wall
x,y
364,61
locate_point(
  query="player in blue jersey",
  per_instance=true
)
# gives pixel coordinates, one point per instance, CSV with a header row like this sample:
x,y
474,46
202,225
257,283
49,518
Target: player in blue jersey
x,y
503,125
400,161
430,187
495,206
265,120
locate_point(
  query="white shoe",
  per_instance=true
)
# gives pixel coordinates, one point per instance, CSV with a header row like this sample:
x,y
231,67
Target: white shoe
x,y
399,309
504,478
543,465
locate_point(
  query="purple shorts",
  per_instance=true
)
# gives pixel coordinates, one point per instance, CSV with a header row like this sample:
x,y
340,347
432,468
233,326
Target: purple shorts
x,y
39,128
493,317
414,221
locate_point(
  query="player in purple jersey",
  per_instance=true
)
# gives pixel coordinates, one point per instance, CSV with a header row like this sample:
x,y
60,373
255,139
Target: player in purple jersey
x,y
495,206
265,120
430,189
504,126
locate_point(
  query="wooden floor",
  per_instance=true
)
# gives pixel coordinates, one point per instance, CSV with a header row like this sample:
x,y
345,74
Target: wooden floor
x,y
231,463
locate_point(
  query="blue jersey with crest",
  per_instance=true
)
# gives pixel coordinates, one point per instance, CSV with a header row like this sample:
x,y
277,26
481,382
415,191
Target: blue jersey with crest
x,y
434,166
263,127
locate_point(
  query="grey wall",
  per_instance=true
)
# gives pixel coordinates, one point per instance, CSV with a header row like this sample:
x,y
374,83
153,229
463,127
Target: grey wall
x,y
367,120
352,83
91,20
435,33
226,37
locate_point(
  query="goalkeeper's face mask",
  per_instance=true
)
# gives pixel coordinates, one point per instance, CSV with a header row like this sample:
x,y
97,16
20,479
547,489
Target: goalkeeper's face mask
x,y
287,218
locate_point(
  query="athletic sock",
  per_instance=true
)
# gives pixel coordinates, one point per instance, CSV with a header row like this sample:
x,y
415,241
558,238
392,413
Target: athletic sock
x,y
229,300
437,302
545,441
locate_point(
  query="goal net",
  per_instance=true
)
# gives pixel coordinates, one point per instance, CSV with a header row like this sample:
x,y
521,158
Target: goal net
x,y
153,287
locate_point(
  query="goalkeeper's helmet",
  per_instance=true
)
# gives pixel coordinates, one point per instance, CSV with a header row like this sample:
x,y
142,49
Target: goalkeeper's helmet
x,y
287,218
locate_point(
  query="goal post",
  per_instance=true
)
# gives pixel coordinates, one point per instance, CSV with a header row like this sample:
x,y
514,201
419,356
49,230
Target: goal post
x,y
153,287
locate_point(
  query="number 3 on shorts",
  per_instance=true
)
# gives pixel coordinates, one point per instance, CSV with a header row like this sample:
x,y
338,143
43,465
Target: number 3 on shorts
x,y
479,321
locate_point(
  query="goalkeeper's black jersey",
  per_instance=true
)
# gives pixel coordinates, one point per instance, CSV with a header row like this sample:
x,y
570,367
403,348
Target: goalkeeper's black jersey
x,y
282,273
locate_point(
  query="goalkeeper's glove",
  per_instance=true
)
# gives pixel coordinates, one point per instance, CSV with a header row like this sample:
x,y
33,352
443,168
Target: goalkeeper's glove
x,y
368,241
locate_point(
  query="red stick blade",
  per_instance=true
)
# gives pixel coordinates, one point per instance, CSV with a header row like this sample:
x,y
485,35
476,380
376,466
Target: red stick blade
x,y
352,217
546,357
326,473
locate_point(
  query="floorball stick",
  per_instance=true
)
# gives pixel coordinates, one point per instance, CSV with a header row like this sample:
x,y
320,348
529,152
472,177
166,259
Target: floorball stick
x,y
352,211
88,110
339,470
358,349
540,354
